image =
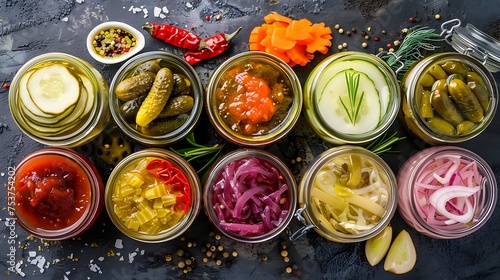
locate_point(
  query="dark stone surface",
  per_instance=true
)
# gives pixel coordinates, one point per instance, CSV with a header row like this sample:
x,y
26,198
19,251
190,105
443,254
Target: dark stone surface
x,y
30,28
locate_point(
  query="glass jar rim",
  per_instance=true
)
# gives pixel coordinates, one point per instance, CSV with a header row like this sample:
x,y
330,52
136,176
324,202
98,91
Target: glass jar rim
x,y
178,229
175,135
95,115
96,191
483,168
412,85
243,153
306,184
317,121
276,134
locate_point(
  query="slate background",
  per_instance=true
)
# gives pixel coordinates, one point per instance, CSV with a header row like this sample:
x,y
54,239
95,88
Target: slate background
x,y
28,29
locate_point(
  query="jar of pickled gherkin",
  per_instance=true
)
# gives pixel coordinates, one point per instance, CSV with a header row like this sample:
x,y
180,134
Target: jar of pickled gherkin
x,y
452,97
156,98
153,195
59,100
347,194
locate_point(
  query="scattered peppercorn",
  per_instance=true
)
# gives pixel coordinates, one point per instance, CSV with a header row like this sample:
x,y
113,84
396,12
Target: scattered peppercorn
x,y
389,45
339,47
341,31
181,264
264,257
348,33
375,38
396,43
286,259
369,29
337,26
412,19
207,18
364,45
284,253
354,30
437,16
367,37
383,31
168,258
288,270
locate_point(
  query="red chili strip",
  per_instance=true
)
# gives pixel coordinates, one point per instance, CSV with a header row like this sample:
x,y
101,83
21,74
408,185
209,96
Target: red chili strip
x,y
215,45
175,36
171,175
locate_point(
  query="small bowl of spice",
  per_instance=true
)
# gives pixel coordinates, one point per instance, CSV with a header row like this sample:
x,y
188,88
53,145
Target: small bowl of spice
x,y
114,42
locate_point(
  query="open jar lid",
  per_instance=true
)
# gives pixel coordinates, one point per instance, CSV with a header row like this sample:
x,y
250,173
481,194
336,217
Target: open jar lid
x,y
471,41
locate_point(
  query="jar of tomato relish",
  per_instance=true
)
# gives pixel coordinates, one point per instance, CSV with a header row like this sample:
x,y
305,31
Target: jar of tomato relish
x,y
58,193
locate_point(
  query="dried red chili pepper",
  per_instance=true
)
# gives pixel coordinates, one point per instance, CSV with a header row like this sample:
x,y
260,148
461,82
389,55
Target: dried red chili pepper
x,y
171,175
218,44
175,36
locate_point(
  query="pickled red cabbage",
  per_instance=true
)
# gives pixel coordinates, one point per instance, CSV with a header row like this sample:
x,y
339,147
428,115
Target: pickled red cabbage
x,y
250,197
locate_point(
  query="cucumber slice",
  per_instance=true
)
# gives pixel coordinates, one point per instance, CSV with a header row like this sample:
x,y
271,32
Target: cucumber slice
x,y
53,89
368,69
44,120
87,84
78,112
24,95
334,114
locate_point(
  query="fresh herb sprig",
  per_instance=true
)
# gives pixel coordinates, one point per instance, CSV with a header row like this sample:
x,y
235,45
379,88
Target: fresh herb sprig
x,y
384,143
352,94
198,152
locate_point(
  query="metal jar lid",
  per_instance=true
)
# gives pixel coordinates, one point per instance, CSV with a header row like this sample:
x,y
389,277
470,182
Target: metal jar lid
x,y
473,42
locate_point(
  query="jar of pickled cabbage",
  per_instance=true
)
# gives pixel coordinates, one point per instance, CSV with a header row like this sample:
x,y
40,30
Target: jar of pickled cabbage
x,y
250,195
347,194
446,192
153,195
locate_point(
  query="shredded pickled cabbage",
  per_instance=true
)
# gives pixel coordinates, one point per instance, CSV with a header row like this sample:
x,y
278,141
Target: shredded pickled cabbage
x,y
350,194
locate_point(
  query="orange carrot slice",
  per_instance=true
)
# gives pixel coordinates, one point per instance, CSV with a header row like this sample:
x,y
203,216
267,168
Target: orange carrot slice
x,y
274,16
279,40
299,30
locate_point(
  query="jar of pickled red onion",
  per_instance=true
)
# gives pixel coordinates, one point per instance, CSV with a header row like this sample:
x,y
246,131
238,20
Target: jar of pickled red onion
x,y
446,192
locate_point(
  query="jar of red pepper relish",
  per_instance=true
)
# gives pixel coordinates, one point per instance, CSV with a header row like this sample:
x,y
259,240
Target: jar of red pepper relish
x,y
58,193
446,192
153,195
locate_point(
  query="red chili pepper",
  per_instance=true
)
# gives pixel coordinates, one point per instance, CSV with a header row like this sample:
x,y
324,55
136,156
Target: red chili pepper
x,y
175,36
171,175
218,44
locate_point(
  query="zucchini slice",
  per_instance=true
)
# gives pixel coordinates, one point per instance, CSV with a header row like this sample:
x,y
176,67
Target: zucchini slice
x,y
53,89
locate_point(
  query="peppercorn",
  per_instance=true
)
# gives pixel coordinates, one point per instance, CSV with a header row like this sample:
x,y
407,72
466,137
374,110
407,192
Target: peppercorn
x,y
364,45
437,16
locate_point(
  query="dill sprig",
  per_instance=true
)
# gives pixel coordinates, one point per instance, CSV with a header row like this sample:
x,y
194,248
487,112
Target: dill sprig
x,y
384,143
417,39
205,154
352,94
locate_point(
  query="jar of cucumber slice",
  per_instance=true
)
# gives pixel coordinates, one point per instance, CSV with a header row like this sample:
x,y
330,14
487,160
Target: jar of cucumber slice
x,y
59,100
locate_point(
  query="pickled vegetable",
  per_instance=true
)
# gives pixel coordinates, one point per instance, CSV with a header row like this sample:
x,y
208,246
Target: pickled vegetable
x,y
135,86
170,104
347,202
148,203
402,255
476,84
465,100
442,103
249,103
459,98
177,105
163,126
376,247
130,108
148,66
157,97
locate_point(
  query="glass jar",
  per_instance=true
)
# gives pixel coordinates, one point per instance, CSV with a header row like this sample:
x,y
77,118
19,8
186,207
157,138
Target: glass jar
x,y
72,126
268,107
58,194
453,107
327,101
162,130
341,180
253,178
153,195
449,170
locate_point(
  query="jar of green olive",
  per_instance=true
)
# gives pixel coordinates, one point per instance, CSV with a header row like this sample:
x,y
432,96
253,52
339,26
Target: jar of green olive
x,y
448,98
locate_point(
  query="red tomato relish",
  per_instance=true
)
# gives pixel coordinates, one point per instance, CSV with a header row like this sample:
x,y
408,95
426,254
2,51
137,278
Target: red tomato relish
x,y
52,192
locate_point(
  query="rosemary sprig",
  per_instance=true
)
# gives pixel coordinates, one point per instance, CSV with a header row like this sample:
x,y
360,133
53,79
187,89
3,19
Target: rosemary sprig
x,y
417,39
205,154
352,94
384,143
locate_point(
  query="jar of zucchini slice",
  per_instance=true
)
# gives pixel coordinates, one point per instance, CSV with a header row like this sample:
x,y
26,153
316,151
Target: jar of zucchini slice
x,y
153,195
59,100
351,98
347,194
